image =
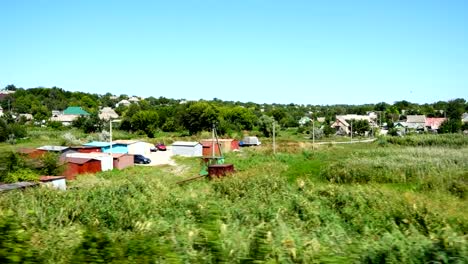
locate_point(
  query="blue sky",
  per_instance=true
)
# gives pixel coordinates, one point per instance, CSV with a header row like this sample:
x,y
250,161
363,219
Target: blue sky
x,y
304,52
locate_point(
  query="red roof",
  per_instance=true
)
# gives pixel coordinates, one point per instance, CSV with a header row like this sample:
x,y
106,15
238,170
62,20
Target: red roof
x,y
434,122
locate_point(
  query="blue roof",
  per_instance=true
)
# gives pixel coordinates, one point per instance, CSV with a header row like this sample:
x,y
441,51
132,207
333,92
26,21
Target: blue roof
x,y
100,144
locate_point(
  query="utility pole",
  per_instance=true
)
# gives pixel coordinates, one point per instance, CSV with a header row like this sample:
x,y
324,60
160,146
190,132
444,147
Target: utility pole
x,y
110,135
313,132
274,135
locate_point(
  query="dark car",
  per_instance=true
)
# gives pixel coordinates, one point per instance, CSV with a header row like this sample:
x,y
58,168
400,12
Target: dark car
x,y
140,159
160,147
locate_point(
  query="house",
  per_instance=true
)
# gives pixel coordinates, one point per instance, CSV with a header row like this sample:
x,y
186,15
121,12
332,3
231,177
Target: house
x,y
416,122
304,120
465,118
321,119
188,149
123,102
27,117
134,99
341,126
75,110
76,166
107,113
5,93
433,123
68,115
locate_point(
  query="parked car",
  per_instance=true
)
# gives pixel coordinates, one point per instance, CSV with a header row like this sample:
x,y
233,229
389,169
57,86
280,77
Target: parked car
x,y
140,159
160,147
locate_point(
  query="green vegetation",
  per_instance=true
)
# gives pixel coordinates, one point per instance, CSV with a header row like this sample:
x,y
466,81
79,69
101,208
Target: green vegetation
x,y
359,203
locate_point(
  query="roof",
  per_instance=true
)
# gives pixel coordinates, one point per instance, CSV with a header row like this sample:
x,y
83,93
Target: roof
x,y
75,110
219,140
125,142
26,150
50,178
64,118
353,117
100,144
434,122
16,185
186,143
416,119
79,160
53,148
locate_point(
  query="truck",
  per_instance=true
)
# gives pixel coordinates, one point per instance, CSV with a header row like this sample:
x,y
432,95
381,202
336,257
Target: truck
x,y
249,141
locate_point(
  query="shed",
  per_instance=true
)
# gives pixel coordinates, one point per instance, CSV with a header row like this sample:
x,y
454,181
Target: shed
x,y
31,152
187,148
132,147
105,159
55,182
226,145
122,161
77,166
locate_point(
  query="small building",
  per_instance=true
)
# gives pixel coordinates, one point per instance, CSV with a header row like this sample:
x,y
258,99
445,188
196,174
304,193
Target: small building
x,y
76,166
132,147
123,102
122,161
341,126
227,145
187,149
105,159
55,182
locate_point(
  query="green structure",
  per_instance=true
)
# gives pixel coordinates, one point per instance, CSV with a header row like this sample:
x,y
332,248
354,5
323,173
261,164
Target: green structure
x,y
75,110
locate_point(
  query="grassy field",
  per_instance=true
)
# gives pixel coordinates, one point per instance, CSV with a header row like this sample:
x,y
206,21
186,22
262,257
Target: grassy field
x,y
362,203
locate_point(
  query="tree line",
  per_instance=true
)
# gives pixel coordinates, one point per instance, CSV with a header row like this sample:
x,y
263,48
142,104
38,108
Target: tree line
x,y
174,115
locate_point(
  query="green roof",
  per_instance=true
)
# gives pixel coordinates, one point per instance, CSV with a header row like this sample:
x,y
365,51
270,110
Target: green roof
x,y
75,110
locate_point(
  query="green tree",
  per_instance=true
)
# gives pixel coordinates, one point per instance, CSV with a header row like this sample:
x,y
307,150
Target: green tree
x,y
146,121
265,125
200,116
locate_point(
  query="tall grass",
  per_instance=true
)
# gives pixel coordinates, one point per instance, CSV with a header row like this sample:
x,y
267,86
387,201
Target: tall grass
x,y
425,140
274,209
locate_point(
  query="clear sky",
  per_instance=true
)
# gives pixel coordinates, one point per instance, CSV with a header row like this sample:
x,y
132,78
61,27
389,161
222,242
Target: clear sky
x,y
304,52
